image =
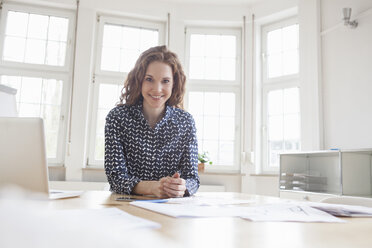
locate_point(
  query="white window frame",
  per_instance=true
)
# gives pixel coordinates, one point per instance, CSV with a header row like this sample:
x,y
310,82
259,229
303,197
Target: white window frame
x,y
62,73
234,86
40,11
267,85
110,77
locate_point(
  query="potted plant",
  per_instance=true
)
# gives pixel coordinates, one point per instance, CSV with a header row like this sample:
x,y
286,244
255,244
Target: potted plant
x,y
203,158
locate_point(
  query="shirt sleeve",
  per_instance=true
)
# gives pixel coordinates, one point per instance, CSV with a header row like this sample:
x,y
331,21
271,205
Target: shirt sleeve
x,y
121,182
189,161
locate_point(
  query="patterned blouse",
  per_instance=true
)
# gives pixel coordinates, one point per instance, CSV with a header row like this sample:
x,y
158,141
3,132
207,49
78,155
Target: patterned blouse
x,y
134,151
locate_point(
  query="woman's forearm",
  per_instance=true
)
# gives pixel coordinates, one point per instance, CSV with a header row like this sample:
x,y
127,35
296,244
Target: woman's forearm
x,y
145,188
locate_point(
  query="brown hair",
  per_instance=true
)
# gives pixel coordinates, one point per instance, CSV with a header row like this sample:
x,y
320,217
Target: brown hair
x,y
131,92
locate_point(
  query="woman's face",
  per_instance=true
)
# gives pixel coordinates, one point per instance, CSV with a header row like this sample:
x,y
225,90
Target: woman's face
x,y
157,85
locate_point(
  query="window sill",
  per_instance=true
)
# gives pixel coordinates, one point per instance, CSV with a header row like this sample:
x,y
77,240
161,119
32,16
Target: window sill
x,y
263,175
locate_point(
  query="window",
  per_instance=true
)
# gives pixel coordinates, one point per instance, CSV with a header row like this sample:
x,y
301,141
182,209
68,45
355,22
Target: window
x,y
35,54
213,63
120,42
280,89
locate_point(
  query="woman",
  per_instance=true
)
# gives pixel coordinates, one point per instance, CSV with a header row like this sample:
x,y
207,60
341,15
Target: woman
x,y
150,142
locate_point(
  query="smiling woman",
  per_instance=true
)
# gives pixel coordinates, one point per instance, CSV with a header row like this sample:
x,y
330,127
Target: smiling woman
x,y
150,141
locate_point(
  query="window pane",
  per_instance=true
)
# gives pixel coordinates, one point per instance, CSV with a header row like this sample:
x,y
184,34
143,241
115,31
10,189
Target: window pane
x,y
197,45
196,103
290,37
108,96
291,100
274,41
228,71
36,39
31,90
213,46
228,46
283,117
212,57
211,103
112,36
290,62
291,127
37,26
122,46
100,147
58,29
110,59
228,106
274,65
226,153
282,51
211,127
14,49
16,24
214,115
38,97
148,38
197,68
131,37
212,68
128,59
55,54
276,128
227,130
275,102
35,51
211,146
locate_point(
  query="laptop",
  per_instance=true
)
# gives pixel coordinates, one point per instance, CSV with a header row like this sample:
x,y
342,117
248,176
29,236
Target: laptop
x,y
23,160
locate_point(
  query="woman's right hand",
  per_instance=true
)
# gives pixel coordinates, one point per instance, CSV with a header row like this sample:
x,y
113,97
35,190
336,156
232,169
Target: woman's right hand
x,y
157,188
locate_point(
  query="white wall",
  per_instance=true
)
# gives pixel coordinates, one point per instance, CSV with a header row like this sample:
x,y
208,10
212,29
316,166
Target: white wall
x,y
347,75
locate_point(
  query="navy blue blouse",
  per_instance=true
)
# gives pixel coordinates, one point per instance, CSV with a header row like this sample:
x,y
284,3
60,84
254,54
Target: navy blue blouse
x,y
134,151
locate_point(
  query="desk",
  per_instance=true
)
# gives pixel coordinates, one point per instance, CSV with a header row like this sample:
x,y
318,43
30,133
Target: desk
x,y
231,232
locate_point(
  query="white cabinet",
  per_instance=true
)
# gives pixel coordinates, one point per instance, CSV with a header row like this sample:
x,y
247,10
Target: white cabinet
x,y
318,175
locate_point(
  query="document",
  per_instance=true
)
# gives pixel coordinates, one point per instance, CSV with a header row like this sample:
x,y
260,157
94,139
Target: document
x,y
207,201
287,212
269,212
341,210
186,210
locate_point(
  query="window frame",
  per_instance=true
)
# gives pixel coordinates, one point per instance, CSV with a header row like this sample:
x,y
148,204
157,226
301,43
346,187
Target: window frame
x,y
233,86
64,13
111,77
63,73
267,85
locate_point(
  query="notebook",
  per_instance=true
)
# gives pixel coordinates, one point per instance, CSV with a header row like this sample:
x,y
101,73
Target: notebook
x,y
23,160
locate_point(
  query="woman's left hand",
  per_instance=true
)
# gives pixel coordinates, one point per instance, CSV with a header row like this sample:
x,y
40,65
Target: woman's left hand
x,y
174,186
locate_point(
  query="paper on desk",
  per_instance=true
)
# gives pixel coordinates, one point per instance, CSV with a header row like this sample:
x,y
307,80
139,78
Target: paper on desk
x,y
340,209
272,212
33,223
109,219
207,201
181,210
287,212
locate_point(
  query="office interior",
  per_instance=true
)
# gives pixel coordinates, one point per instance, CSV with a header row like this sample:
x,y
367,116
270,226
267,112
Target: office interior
x,y
333,78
